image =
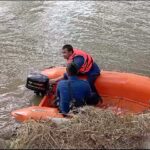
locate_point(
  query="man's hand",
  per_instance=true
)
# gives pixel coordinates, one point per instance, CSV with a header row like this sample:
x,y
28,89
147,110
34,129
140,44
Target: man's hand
x,y
53,81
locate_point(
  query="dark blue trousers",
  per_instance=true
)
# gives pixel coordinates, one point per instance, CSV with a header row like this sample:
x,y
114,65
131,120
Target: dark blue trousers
x,y
95,97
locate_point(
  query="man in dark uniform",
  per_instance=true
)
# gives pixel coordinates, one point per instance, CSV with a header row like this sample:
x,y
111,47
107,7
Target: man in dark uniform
x,y
72,91
85,65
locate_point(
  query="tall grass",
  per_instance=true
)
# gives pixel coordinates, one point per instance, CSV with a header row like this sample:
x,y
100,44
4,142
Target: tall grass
x,y
91,128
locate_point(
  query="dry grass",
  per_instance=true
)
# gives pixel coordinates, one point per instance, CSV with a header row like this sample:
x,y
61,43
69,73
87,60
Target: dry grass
x,y
91,129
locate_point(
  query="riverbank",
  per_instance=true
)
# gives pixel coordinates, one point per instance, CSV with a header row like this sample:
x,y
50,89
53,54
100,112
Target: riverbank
x,y
91,128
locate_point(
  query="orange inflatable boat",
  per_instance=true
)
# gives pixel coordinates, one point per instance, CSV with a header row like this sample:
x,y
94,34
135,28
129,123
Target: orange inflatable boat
x,y
123,92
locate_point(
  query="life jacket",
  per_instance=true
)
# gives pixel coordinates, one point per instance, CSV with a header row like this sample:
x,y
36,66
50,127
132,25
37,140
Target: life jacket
x,y
88,60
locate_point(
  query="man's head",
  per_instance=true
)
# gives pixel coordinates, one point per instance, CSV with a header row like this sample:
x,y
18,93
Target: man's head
x,y
72,69
67,51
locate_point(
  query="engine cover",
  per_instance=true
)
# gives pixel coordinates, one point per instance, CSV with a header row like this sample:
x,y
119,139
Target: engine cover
x,y
37,82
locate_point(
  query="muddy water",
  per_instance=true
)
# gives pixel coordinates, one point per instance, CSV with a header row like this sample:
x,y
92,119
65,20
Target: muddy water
x,y
116,34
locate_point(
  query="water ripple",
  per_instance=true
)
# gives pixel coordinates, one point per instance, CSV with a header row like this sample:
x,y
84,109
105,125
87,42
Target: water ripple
x,y
116,34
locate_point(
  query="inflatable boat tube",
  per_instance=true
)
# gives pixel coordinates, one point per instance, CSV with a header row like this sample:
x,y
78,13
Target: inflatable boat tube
x,y
124,92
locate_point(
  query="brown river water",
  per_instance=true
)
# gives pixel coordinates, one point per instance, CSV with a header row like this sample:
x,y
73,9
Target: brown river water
x,y
116,34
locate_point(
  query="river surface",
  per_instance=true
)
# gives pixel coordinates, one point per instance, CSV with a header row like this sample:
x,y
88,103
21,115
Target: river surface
x,y
116,34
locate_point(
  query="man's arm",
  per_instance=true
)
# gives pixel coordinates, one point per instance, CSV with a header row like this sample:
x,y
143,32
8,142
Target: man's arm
x,y
65,77
56,79
64,107
79,61
64,103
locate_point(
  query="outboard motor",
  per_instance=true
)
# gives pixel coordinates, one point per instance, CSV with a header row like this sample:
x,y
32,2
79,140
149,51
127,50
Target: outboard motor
x,y
37,82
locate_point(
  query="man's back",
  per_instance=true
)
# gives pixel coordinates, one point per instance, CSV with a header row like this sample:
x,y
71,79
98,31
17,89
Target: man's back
x,y
78,89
